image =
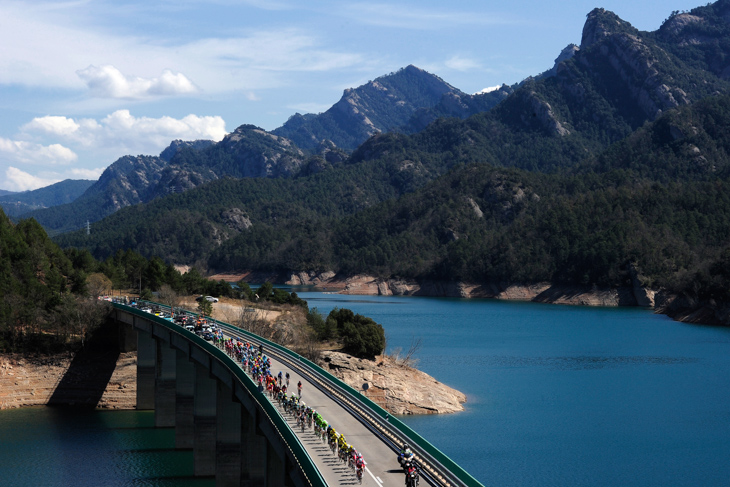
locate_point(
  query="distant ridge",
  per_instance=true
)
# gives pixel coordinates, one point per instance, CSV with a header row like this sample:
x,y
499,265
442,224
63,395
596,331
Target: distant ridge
x,y
16,204
382,105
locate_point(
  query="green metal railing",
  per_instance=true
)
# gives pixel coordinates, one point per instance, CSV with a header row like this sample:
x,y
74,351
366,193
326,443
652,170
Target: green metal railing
x,y
405,430
414,438
306,465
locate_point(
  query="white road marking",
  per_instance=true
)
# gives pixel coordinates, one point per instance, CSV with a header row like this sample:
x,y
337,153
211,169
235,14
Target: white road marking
x,y
377,479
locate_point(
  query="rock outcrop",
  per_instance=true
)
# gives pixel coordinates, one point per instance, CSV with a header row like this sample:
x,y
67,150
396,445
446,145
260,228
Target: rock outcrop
x,y
397,388
545,292
609,41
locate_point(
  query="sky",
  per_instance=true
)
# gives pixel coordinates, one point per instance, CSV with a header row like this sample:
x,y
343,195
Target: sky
x,y
84,82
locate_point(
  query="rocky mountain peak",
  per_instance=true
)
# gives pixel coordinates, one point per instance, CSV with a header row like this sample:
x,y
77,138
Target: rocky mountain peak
x,y
176,145
600,24
380,105
676,24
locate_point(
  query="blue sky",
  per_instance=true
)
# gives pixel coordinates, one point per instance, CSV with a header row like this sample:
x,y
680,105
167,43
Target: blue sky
x,y
84,82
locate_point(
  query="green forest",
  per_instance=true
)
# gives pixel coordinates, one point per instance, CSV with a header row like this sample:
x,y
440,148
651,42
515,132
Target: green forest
x,y
611,169
657,200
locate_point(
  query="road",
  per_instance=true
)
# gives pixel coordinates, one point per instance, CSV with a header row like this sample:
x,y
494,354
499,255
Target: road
x,y
382,468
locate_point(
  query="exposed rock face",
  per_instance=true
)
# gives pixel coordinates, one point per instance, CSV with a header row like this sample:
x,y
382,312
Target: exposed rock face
x,y
34,382
177,145
610,41
567,53
236,219
377,106
677,24
310,278
128,181
541,111
247,152
539,292
396,388
260,154
644,297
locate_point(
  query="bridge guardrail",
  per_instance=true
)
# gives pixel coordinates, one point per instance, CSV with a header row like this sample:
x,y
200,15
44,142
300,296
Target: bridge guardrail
x,y
308,468
459,475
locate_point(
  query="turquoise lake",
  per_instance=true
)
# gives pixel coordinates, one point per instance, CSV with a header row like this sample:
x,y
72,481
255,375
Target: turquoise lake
x,y
567,396
557,396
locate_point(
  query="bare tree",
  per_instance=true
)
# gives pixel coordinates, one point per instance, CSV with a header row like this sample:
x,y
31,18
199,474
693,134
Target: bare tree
x,y
408,359
416,344
98,284
254,321
168,296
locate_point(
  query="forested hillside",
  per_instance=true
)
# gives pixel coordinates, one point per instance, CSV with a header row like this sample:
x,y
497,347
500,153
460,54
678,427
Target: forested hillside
x,y
615,162
49,296
15,204
658,200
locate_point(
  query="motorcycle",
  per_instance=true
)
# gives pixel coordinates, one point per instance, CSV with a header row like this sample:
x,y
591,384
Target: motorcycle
x,y
412,476
405,457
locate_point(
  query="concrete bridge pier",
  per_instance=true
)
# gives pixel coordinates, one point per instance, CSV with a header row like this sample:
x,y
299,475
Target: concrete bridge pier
x,y
165,384
184,398
253,451
213,412
204,419
146,370
228,444
275,467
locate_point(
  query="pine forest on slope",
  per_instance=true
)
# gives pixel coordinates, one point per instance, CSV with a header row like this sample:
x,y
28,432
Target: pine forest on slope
x,y
616,157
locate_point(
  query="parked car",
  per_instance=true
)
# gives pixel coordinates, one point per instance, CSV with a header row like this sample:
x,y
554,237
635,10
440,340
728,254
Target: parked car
x,y
209,298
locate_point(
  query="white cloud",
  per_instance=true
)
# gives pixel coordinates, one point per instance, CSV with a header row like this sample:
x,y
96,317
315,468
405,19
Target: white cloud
x,y
127,134
31,153
61,48
489,89
459,63
17,180
109,82
53,125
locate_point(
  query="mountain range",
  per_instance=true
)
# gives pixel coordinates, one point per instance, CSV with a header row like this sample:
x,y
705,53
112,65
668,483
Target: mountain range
x,y
614,158
16,204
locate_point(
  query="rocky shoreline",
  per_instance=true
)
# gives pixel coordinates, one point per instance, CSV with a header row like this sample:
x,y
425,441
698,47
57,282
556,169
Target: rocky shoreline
x,y
539,292
396,387
55,380
59,380
676,307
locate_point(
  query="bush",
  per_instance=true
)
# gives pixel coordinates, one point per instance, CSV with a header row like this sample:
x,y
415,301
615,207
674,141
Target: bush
x,y
364,340
361,336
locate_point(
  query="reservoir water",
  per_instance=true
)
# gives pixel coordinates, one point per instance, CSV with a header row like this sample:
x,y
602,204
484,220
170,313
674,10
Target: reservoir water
x,y
567,396
557,396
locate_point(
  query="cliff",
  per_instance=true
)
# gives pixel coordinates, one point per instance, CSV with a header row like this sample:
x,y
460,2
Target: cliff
x,y
397,388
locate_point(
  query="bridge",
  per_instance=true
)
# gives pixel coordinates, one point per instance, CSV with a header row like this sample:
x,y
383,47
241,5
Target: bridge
x,y
242,438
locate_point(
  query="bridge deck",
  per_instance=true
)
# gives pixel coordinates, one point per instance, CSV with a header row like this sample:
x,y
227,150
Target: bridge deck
x,y
382,468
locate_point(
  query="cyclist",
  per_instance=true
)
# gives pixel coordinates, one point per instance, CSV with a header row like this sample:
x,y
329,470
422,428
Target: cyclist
x,y
359,466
